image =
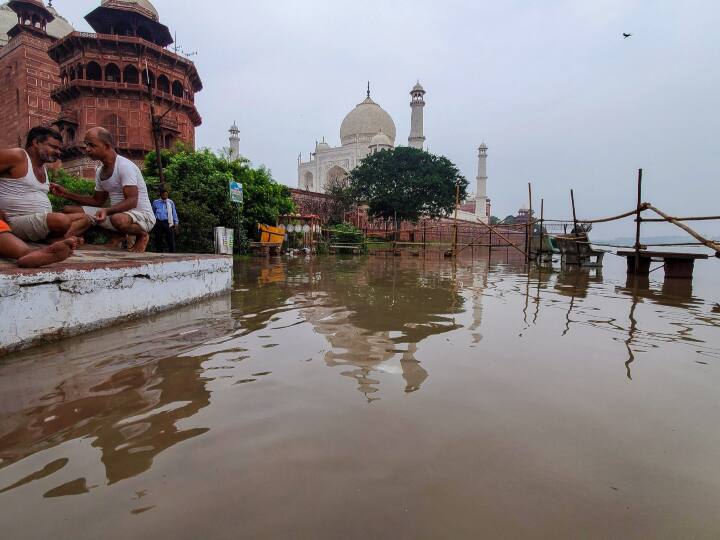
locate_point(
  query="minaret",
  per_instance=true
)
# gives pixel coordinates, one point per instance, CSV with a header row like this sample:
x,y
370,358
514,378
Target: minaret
x,y
416,138
481,192
234,142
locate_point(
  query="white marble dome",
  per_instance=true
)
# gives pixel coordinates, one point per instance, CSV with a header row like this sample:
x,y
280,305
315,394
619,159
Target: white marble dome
x,y
381,140
365,121
58,28
322,146
144,4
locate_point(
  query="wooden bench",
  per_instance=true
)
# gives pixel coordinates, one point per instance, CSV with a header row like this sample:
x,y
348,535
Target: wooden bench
x,y
677,265
576,250
339,248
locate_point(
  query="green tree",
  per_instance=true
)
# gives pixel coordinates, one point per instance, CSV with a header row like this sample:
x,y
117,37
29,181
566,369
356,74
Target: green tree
x,y
198,182
405,184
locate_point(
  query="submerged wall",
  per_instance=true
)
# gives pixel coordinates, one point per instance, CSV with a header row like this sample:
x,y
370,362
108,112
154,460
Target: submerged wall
x,y
99,289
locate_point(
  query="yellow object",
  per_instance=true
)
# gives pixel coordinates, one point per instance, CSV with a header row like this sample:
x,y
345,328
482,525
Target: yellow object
x,y
271,235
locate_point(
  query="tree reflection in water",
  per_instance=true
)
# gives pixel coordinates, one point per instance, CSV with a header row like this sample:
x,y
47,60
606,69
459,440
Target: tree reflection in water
x,y
376,309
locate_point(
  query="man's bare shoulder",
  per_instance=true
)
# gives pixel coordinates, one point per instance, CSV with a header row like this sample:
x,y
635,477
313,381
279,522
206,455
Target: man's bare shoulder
x,y
13,162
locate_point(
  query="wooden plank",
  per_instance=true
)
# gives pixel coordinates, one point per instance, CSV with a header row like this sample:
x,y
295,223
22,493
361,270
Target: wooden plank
x,y
664,255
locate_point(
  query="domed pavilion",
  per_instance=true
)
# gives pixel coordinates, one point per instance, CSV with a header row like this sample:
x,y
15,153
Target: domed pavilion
x,y
52,75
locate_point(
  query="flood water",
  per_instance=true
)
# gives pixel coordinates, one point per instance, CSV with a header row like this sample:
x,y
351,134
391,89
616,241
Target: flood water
x,y
371,397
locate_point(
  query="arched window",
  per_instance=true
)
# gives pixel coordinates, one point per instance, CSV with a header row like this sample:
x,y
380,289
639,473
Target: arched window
x,y
64,77
148,75
177,89
69,135
36,22
308,180
131,75
163,84
94,72
117,126
112,73
169,140
144,33
122,29
79,71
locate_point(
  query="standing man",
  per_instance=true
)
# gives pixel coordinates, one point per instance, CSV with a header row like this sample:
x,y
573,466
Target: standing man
x,y
24,188
120,180
167,222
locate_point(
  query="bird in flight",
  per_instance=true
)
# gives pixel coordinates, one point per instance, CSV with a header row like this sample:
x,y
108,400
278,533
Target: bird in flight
x,y
626,35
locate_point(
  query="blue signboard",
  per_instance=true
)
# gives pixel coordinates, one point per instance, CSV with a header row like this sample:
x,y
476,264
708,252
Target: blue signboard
x,y
236,192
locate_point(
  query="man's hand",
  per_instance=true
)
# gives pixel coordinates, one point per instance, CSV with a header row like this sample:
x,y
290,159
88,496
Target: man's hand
x,y
101,215
58,190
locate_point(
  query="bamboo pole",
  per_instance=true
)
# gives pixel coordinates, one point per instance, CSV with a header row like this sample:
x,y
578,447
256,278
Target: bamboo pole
x,y
509,242
638,220
575,221
542,220
529,231
455,225
701,218
709,243
155,123
602,220
424,237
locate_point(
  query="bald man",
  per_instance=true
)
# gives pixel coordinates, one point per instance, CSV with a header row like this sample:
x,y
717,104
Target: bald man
x,y
120,180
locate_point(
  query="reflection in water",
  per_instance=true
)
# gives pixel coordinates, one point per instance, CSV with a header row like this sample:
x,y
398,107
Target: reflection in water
x,y
236,395
125,390
379,308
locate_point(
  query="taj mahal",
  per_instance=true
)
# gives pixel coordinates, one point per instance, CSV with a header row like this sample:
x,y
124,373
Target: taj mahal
x,y
367,129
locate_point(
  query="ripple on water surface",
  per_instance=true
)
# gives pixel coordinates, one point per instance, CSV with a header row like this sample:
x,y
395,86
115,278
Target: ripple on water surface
x,y
382,398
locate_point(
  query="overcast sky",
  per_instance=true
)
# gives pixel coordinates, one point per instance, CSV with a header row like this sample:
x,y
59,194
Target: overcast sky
x,y
559,97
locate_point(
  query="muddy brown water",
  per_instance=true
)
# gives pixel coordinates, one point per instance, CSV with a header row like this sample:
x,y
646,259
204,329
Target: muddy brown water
x,y
400,398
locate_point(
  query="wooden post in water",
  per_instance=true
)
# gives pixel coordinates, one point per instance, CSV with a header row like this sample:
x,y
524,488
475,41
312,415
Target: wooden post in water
x,y
638,219
424,238
575,223
542,219
455,225
528,247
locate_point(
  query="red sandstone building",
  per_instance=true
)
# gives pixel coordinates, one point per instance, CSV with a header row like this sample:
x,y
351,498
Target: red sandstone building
x,y
50,74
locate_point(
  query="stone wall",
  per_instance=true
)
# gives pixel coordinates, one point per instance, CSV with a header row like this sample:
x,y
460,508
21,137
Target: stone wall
x,y
27,78
96,289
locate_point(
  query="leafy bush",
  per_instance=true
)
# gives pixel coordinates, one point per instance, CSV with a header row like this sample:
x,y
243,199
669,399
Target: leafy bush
x,y
71,183
345,233
198,183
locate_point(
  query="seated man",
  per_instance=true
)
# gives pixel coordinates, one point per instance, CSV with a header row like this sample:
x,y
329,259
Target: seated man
x,y
120,180
14,248
24,190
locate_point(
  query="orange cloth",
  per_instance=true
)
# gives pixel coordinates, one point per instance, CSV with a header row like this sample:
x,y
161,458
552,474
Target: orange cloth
x,y
4,227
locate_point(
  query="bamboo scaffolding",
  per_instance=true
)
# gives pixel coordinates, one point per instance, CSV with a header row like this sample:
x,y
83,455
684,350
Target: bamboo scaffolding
x,y
712,245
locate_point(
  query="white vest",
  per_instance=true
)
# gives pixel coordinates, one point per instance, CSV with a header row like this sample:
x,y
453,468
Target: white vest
x,y
26,195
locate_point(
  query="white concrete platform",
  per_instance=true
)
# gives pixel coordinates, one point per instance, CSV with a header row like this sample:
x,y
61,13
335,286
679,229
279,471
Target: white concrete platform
x,y
97,288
